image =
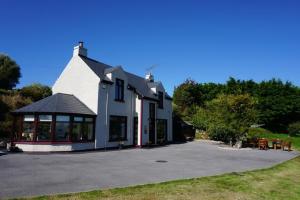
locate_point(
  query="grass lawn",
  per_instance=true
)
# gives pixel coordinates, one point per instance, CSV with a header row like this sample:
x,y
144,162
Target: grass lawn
x,y
279,182
263,133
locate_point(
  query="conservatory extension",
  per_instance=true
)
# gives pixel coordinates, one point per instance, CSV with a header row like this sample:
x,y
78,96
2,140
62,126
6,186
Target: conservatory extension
x,y
57,123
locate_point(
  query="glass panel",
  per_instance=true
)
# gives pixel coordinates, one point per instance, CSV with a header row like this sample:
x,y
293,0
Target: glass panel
x,y
88,131
45,118
118,128
76,133
161,130
28,131
44,131
62,118
62,131
88,119
78,119
28,118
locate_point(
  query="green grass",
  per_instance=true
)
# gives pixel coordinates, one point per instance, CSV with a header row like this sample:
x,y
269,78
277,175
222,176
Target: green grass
x,y
263,133
279,182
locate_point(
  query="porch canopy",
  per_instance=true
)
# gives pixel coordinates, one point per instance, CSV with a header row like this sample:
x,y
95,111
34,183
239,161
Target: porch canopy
x,y
60,118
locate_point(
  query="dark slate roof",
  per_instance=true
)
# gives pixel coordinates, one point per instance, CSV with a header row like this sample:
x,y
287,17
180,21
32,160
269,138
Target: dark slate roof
x,y
139,83
57,103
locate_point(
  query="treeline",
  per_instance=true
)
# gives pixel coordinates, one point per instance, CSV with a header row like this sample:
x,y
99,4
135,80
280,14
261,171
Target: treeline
x,y
276,103
11,98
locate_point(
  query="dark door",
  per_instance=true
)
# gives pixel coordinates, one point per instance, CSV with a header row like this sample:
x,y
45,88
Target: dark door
x,y
135,131
151,123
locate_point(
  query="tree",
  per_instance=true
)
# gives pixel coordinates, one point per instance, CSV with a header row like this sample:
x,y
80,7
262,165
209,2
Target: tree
x,y
36,91
186,97
9,72
228,117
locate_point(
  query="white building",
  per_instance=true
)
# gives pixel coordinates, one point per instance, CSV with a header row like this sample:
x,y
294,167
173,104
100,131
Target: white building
x,y
96,106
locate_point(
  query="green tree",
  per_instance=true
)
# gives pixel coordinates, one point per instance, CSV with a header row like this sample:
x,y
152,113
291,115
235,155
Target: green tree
x,y
36,91
228,117
9,72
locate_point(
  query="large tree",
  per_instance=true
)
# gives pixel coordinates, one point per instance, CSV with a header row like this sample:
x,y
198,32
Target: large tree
x,y
9,73
36,91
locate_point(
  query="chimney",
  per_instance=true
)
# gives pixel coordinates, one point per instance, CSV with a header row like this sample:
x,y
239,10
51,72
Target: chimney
x,y
149,77
80,50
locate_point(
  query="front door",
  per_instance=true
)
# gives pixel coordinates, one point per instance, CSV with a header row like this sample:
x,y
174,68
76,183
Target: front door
x,y
151,123
135,131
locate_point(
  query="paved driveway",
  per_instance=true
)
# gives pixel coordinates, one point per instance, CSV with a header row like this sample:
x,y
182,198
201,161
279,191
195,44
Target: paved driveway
x,y
31,174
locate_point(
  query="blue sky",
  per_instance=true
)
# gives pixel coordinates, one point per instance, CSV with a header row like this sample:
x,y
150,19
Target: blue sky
x,y
207,41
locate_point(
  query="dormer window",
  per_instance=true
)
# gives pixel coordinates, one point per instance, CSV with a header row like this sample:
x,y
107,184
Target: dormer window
x,y
160,100
119,90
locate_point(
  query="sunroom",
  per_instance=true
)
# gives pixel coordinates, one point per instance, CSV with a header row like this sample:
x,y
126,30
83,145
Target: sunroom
x,y
60,122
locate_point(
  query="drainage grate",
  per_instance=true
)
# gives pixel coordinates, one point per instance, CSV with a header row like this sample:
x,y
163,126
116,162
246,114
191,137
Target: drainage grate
x,y
161,161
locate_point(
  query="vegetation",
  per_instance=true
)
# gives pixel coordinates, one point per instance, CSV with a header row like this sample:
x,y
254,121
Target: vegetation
x,y
9,73
12,99
227,117
279,182
263,133
294,129
277,104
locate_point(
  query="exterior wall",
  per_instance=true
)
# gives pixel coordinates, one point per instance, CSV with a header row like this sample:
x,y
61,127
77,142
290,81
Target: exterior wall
x,y
108,106
78,79
56,147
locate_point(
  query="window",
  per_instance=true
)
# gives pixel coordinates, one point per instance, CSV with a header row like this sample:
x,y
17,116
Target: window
x,y
161,130
119,91
161,100
77,129
118,128
44,128
83,129
88,129
28,128
62,128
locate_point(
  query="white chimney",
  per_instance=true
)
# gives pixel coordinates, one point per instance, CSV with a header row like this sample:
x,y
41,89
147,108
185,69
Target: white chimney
x,y
149,77
80,50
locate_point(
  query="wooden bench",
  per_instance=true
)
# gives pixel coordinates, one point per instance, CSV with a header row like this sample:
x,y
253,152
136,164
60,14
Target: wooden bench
x,y
287,145
263,144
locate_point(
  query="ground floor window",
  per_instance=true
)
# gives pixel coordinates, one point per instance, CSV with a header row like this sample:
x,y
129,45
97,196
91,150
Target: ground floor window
x,y
43,129
28,128
117,128
52,128
62,128
161,130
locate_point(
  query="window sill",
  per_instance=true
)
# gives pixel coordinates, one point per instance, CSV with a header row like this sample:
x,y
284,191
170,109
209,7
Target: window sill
x,y
125,140
119,100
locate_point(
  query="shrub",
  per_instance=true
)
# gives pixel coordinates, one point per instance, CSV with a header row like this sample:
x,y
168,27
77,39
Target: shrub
x,y
227,118
294,129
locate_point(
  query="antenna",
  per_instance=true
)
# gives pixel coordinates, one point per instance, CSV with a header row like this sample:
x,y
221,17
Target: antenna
x,y
149,69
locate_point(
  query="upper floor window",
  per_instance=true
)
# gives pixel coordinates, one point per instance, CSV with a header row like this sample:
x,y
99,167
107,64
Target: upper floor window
x,y
160,100
119,91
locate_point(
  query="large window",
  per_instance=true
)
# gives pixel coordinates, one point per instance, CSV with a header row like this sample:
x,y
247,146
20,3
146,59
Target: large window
x,y
161,130
119,90
118,128
161,100
83,129
77,129
62,128
44,128
54,128
28,128
88,129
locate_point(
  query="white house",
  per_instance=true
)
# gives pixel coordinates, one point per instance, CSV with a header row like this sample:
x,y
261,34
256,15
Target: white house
x,y
95,106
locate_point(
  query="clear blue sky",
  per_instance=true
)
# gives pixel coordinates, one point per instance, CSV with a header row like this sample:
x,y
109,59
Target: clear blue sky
x,y
207,41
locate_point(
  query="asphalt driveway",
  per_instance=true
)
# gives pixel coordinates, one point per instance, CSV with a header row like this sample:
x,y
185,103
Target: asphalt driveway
x,y
32,174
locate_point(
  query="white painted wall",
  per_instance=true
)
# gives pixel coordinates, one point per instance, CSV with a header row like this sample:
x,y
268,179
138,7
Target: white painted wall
x,y
55,147
78,79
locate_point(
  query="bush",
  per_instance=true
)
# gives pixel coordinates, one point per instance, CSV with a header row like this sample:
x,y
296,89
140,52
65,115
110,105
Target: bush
x,y
227,118
294,129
